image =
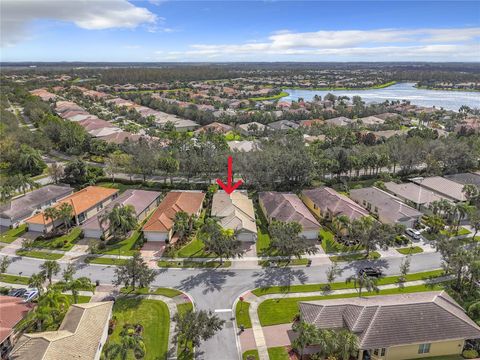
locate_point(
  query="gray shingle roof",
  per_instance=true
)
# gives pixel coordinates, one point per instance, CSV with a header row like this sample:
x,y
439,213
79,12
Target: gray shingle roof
x,y
391,320
465,178
24,206
442,186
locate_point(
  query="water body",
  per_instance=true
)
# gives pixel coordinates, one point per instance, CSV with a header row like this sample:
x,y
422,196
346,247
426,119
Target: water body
x,y
450,100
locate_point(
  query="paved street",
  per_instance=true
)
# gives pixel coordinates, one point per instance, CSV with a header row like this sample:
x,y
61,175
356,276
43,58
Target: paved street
x,y
218,289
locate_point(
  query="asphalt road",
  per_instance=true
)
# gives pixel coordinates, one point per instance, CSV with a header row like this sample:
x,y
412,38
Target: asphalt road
x,y
217,290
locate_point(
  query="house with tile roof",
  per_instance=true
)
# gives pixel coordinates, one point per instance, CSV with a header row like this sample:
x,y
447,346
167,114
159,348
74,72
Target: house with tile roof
x,y
81,336
386,207
215,127
16,210
327,203
85,204
288,207
447,188
396,327
12,311
236,212
159,226
416,196
465,178
143,201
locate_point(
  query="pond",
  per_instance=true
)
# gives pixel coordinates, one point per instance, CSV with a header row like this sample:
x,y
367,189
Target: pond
x,y
450,100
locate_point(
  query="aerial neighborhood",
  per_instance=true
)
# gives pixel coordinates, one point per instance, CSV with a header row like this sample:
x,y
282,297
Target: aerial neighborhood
x,y
252,180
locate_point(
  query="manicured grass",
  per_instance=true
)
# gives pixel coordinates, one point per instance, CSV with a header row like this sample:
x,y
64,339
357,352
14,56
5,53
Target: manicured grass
x,y
195,248
64,242
183,308
14,279
273,97
353,257
241,314
119,186
410,250
343,285
278,353
461,231
105,261
125,247
11,235
81,299
379,86
171,293
283,310
263,237
39,254
193,264
330,245
153,315
281,263
252,353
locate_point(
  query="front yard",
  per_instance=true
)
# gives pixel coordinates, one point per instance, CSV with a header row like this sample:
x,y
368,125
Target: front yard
x,y
153,315
64,242
39,254
11,235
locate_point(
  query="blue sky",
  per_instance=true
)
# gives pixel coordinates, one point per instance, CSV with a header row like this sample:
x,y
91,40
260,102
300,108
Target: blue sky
x,y
118,30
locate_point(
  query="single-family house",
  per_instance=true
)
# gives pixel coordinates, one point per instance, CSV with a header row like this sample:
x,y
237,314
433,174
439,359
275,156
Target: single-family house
x,y
81,336
386,207
465,178
447,188
14,211
251,128
12,311
215,127
236,212
327,203
413,195
243,145
288,207
283,125
159,226
396,327
143,201
371,120
339,121
85,204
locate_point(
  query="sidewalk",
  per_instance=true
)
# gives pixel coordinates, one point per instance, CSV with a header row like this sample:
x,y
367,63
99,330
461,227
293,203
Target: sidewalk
x,y
280,335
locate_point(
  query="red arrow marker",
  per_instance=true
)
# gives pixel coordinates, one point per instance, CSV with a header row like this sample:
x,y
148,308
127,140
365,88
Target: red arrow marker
x,y
229,188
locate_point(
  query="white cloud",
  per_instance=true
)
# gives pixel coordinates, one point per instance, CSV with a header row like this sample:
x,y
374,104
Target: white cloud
x,y
392,44
16,15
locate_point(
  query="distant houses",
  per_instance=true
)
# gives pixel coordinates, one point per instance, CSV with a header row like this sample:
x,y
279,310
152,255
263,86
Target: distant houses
x,y
159,226
386,207
236,212
288,207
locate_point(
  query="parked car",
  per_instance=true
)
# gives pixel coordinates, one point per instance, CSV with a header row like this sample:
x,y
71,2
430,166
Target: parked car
x,y
17,292
414,234
371,271
30,295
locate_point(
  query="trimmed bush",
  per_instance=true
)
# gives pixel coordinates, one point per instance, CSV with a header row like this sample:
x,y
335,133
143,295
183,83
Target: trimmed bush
x,y
470,354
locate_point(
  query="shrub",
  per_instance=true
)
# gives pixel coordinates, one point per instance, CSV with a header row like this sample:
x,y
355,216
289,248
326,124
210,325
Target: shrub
x,y
470,354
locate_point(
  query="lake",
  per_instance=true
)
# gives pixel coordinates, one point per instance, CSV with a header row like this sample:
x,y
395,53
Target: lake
x,y
450,100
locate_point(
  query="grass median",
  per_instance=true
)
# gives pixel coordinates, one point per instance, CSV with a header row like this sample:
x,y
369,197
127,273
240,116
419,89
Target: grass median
x,y
39,254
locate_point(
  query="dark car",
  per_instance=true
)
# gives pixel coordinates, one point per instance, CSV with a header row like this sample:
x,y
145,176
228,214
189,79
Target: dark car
x,y
370,271
17,292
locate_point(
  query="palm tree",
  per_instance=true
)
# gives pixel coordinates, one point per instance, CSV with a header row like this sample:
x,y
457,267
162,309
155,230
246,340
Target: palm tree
x,y
65,213
183,224
50,268
326,342
78,284
129,340
460,210
346,344
470,191
121,220
37,280
57,302
52,214
307,335
361,281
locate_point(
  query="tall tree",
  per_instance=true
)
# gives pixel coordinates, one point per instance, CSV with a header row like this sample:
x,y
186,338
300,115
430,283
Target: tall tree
x,y
287,241
222,242
50,268
75,285
363,281
4,264
307,334
37,280
134,272
55,171
121,220
65,213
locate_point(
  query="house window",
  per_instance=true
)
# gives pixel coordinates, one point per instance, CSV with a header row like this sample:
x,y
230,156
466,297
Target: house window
x,y
375,352
99,207
382,353
424,348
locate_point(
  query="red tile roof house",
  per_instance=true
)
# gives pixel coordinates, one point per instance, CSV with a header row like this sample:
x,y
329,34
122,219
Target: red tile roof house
x,y
85,203
143,202
288,207
327,203
12,311
160,225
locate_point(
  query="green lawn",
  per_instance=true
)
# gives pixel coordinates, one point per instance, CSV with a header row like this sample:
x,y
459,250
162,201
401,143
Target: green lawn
x,y
105,261
182,308
153,315
14,279
353,257
278,353
39,254
64,242
410,250
195,249
241,314
125,247
263,237
171,293
273,97
282,263
461,231
193,264
11,235
121,187
343,285
330,245
82,299
252,353
283,310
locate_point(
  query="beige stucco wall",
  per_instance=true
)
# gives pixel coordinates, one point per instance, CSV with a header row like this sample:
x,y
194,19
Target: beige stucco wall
x,y
442,348
309,203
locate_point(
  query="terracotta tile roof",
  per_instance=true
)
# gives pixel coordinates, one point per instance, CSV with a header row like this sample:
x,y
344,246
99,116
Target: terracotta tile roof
x,y
175,201
391,320
78,337
12,310
81,201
